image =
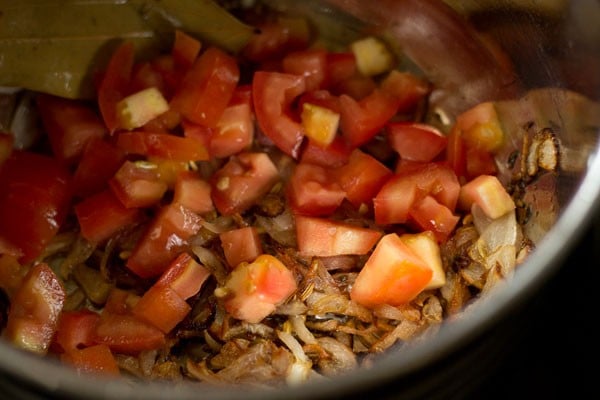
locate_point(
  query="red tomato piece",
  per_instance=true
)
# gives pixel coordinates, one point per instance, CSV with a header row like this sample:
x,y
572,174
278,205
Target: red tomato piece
x,y
255,289
310,63
97,359
392,275
234,132
144,75
102,215
362,177
363,119
207,87
322,237
312,190
193,193
339,67
415,141
274,38
99,162
164,239
241,245
488,193
273,94
127,334
120,301
407,88
184,276
70,125
76,329
161,307
185,49
163,145
430,215
332,156
34,200
35,309
137,184
114,85
395,199
242,181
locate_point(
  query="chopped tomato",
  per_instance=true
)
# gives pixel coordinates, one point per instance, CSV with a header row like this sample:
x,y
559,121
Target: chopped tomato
x,y
184,275
144,76
127,334
488,193
185,49
394,201
164,239
241,245
207,87
120,301
242,181
362,177
35,309
273,94
97,359
424,245
324,237
34,201
102,215
363,119
310,63
76,329
193,193
407,88
274,38
392,275
415,141
161,307
254,289
313,190
339,67
336,154
234,131
99,162
164,145
11,273
430,215
70,125
114,85
137,184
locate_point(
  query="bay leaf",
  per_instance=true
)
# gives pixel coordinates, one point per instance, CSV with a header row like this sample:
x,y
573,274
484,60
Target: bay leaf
x,y
59,46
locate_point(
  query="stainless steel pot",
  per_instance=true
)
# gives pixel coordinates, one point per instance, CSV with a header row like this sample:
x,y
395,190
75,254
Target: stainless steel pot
x,y
553,44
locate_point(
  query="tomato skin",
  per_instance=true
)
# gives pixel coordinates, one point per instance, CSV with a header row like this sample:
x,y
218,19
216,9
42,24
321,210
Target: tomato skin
x,y
163,145
193,193
185,49
124,333
488,193
102,215
76,329
114,85
35,310
35,196
138,185
207,87
322,237
96,359
362,177
99,162
273,94
310,63
332,156
415,141
241,245
184,276
407,88
242,181
164,239
161,307
312,190
339,67
430,215
256,288
363,119
234,131
70,125
392,275
393,202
